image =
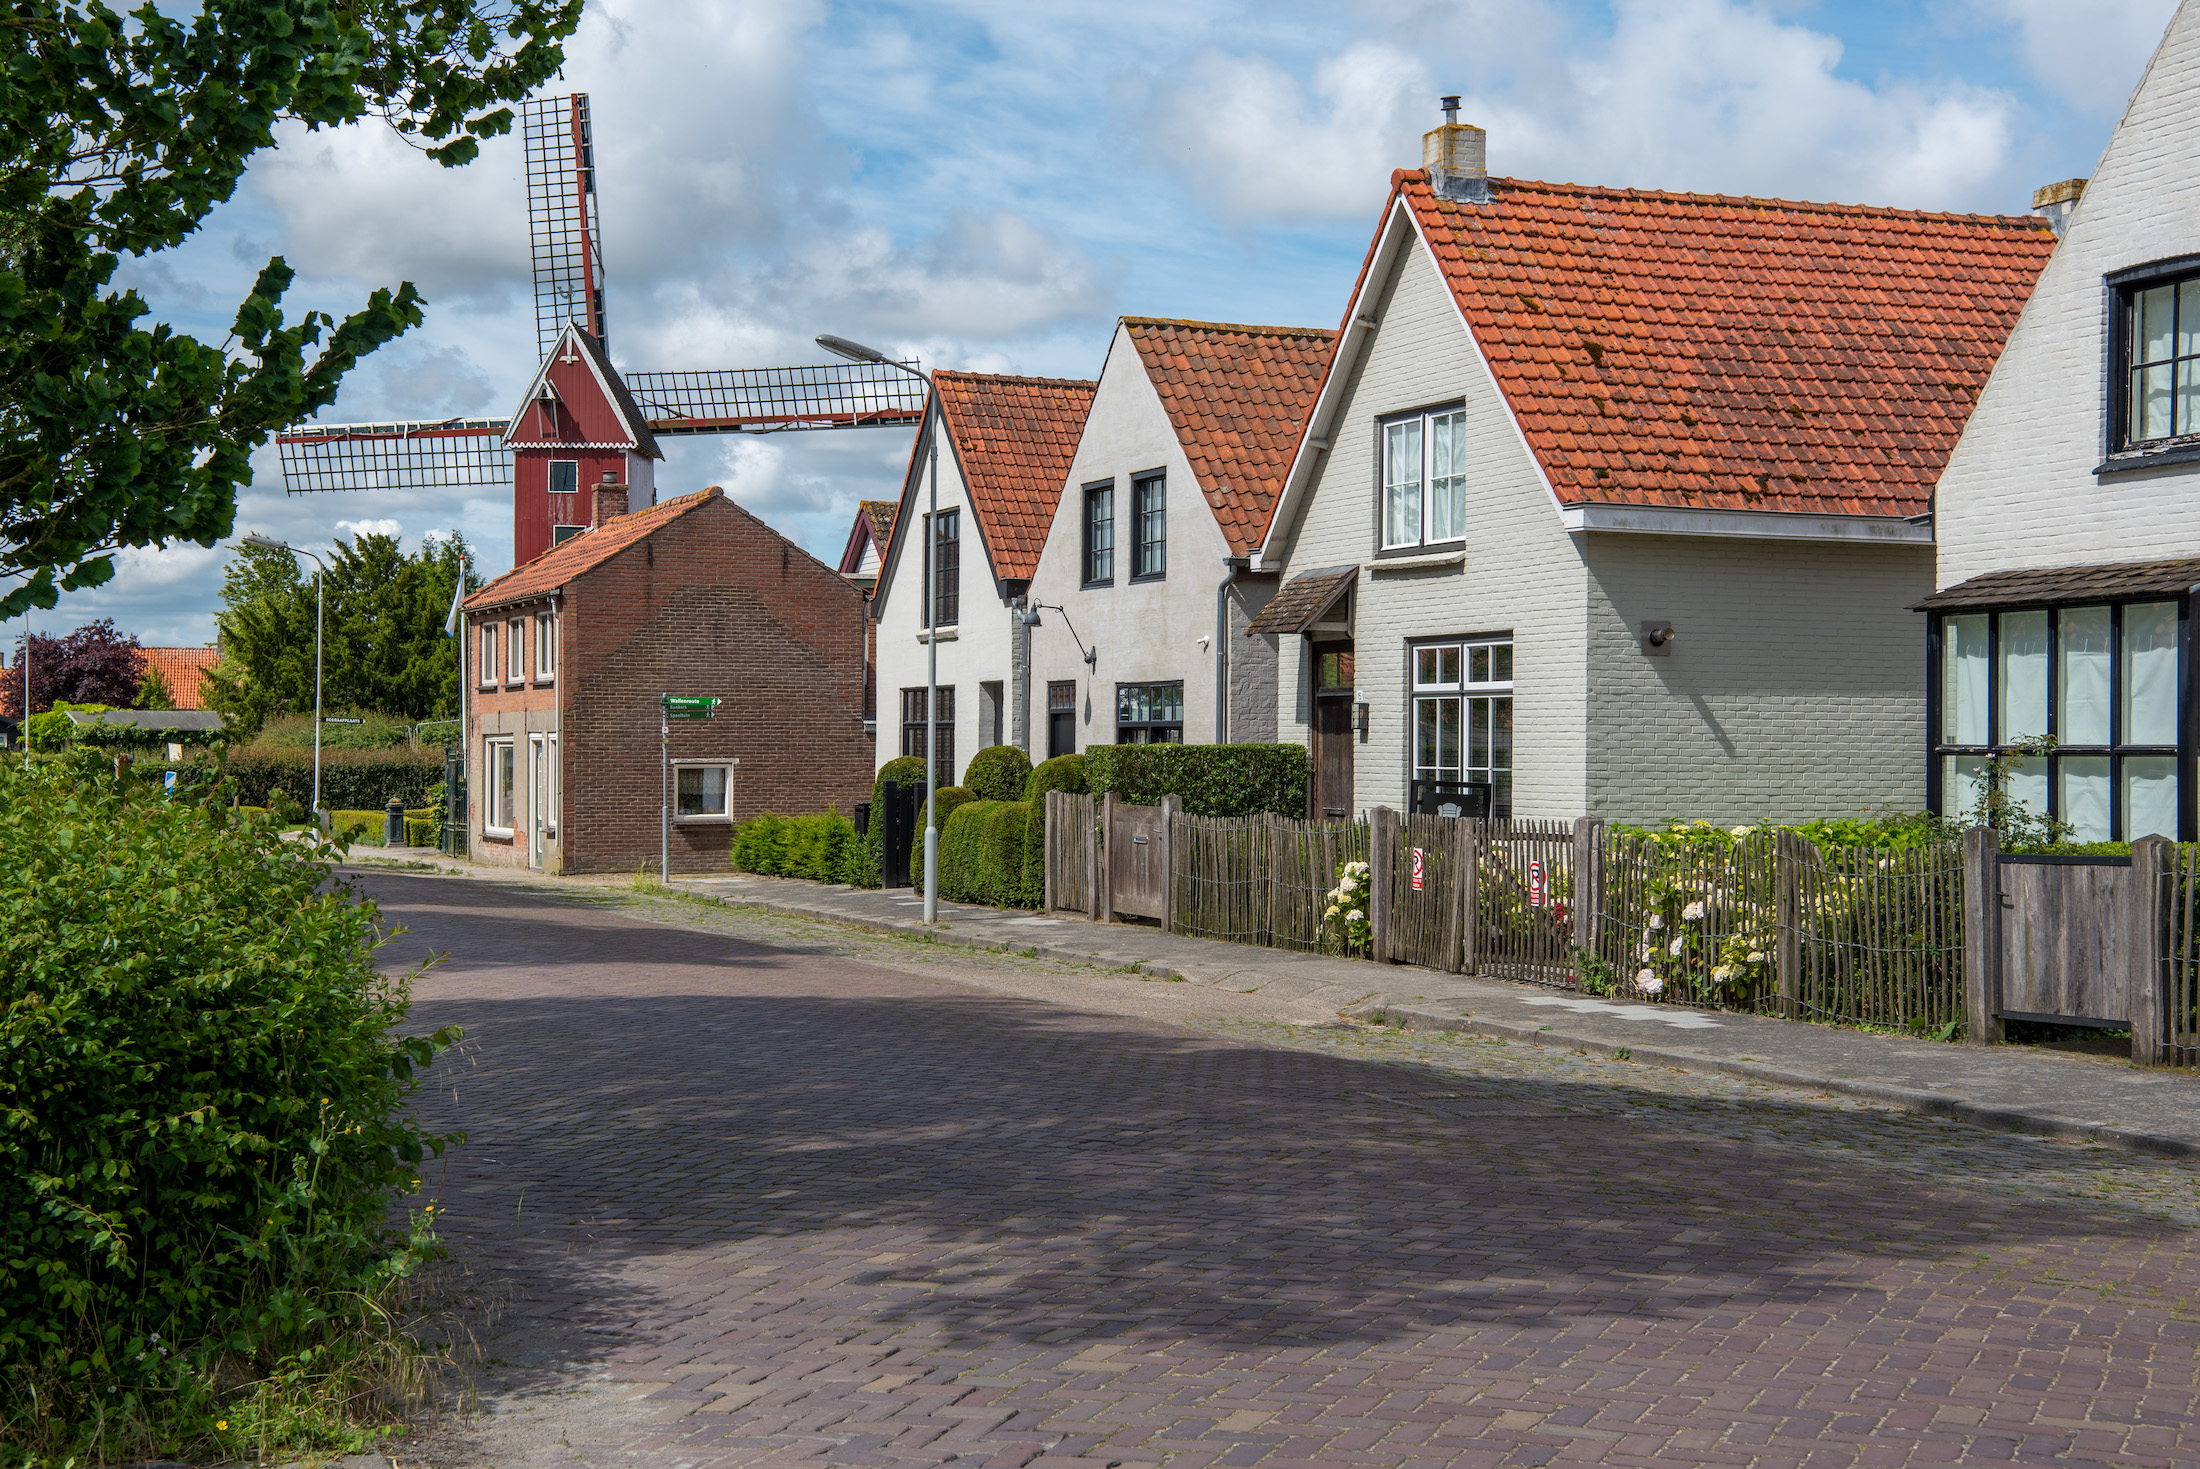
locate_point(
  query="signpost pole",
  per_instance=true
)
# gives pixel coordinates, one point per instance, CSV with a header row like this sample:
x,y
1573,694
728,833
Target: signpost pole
x,y
664,790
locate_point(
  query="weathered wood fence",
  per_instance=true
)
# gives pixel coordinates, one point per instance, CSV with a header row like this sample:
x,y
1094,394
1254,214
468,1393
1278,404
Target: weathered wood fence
x,y
1929,941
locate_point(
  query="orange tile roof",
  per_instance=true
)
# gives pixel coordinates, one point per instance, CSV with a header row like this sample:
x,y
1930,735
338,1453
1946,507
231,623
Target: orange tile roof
x,y
556,567
1707,351
1015,437
180,669
881,515
1238,397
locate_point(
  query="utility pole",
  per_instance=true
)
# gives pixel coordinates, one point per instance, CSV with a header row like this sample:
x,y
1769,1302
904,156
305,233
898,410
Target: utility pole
x,y
664,789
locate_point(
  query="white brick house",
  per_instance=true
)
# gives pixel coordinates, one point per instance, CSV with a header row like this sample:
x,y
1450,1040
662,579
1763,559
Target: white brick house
x,y
1612,500
2068,518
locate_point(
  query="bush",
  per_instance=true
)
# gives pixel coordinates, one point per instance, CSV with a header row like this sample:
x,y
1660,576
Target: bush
x,y
962,844
423,831
1001,864
1213,780
814,846
949,798
998,773
206,1091
866,869
760,844
360,780
1062,773
363,827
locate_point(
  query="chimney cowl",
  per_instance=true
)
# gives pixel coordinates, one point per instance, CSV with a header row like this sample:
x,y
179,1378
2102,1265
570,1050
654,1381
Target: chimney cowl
x,y
2055,203
1456,158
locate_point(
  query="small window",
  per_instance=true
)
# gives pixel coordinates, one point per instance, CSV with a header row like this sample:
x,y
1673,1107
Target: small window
x,y
947,569
515,650
702,792
565,477
1333,668
2161,332
488,655
1149,713
1100,534
912,730
560,534
496,819
1424,479
546,647
1463,715
1150,551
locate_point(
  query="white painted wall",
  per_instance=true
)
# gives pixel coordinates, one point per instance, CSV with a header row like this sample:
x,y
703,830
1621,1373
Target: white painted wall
x,y
981,646
1146,631
2019,490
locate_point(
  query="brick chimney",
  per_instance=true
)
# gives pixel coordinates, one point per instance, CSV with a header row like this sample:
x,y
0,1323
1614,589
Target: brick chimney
x,y
1457,158
2057,202
610,501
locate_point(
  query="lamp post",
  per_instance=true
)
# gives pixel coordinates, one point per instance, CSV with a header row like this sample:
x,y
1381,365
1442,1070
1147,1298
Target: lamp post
x,y
266,543
857,352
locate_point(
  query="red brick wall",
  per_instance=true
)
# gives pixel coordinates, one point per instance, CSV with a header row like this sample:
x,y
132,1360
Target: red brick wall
x,y
715,603
507,709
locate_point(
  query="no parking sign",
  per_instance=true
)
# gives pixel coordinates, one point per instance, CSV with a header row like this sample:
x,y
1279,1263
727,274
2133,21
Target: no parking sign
x,y
1536,889
1420,866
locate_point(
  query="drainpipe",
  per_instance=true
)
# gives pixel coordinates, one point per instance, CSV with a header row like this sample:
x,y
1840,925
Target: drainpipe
x,y
1233,565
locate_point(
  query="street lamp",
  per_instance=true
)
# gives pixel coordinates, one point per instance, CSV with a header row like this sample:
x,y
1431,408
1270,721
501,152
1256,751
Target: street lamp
x,y
266,543
857,352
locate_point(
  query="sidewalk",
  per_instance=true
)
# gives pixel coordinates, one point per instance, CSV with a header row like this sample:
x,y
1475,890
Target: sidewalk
x,y
2005,1087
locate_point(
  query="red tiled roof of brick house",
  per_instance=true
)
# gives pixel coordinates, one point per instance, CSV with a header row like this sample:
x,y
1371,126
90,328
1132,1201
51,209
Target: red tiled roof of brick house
x,y
1014,438
181,669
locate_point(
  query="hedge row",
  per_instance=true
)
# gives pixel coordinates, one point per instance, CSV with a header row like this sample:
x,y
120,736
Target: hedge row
x,y
1214,780
982,854
350,779
823,847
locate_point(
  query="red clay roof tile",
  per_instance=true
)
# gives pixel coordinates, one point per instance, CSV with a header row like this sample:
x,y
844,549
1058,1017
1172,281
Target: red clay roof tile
x,y
1014,437
180,669
556,567
1238,397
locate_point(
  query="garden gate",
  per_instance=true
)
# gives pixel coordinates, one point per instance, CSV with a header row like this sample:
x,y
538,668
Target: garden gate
x,y
1137,853
899,835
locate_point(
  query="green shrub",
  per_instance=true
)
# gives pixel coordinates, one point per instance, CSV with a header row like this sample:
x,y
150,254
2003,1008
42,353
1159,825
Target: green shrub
x,y
948,797
350,779
205,1086
962,848
373,732
284,807
363,827
1213,780
423,832
998,773
817,846
1001,866
760,845
867,869
1062,773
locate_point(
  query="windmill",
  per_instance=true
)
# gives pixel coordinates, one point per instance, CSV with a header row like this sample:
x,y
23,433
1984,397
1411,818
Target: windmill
x,y
581,422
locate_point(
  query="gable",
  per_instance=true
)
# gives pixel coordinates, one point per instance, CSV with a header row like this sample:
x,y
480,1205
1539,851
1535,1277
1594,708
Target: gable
x,y
578,400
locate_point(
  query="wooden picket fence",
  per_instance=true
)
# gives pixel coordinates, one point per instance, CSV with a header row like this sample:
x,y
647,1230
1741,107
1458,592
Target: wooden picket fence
x,y
2180,967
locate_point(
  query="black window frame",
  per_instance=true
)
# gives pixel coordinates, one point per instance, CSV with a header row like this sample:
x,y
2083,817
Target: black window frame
x,y
2115,752
1148,727
945,603
943,725
1466,688
1149,554
2119,453
1099,561
550,476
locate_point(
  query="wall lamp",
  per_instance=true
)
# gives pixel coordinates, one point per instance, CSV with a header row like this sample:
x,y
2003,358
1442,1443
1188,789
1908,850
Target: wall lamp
x,y
1092,654
1657,638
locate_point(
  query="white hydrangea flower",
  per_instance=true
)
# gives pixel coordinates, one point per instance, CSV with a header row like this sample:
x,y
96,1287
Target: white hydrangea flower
x,y
1756,956
1693,912
1648,983
1355,915
1742,831
1676,946
1657,921
1646,976
1726,971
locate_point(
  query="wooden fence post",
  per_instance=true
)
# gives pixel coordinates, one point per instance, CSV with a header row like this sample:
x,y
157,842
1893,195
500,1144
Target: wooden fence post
x,y
1588,882
1982,935
1271,860
1106,913
1382,864
2150,858
1787,908
1171,808
1469,891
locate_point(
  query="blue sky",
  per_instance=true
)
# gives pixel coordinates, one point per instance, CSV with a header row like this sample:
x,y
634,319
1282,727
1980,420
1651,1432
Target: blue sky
x,y
989,183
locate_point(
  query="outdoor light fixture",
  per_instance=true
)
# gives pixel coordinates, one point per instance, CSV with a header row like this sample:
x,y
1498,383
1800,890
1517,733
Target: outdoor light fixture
x,y
268,543
1359,717
1031,619
1657,638
855,351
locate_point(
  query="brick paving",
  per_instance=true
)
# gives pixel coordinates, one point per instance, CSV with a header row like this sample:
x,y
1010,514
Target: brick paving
x,y
792,1207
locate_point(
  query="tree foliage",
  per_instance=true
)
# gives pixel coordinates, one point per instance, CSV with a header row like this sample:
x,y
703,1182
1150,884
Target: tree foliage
x,y
383,645
118,136
96,664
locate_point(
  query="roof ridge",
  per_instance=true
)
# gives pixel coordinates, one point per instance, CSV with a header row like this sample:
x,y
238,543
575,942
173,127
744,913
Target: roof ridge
x,y
632,525
1760,201
1231,326
1010,377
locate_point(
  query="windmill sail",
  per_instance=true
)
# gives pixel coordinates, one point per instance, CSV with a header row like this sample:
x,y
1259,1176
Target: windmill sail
x,y
562,232
450,454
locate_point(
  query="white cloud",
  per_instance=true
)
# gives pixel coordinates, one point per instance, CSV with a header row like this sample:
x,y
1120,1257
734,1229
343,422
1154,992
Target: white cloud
x,y
382,527
2087,52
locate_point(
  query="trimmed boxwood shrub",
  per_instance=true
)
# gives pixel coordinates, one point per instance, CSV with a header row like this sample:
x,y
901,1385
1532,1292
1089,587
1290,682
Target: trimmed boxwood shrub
x,y
1001,856
998,773
866,866
949,797
962,848
1214,780
1062,773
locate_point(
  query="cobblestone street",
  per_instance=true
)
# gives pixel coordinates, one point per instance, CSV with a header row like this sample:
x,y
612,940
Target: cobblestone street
x,y
753,1192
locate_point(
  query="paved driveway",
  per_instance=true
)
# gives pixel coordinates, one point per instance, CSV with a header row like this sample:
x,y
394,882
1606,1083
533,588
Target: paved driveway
x,y
757,1206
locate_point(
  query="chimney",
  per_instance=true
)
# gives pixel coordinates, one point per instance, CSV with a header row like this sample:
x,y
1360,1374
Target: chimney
x,y
1456,156
2057,202
610,501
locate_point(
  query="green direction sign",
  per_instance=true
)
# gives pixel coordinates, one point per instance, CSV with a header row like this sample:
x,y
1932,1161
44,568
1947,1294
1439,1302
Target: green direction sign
x,y
680,707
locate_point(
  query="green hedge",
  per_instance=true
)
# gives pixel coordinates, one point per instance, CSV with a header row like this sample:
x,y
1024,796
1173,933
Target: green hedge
x,y
350,779
865,869
1062,773
949,798
998,773
1213,780
982,854
962,842
206,1082
817,846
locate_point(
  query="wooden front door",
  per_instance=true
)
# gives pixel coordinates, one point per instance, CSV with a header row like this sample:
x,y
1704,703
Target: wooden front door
x,y
1332,757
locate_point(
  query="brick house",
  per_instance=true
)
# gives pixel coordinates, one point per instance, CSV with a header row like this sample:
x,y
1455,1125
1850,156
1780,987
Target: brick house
x,y
860,560
1613,499
569,654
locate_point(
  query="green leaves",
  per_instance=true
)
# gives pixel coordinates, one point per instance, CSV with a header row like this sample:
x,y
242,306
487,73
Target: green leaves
x,y
119,137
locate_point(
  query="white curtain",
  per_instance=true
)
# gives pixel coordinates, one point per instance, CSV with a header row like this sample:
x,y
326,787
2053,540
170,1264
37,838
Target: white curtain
x,y
2150,674
1402,483
2083,653
2085,796
2024,680
1963,680
1447,485
2150,796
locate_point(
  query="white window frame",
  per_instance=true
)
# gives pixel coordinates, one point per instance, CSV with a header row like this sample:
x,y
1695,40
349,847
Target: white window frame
x,y
489,655
1427,458
546,647
732,770
515,651
497,798
1457,687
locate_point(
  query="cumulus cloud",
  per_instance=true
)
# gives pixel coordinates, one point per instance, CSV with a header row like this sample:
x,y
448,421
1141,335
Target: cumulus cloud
x,y
2090,55
382,527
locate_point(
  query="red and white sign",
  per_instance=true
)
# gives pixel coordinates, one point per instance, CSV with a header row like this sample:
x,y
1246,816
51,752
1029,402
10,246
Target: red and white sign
x,y
1420,866
1537,892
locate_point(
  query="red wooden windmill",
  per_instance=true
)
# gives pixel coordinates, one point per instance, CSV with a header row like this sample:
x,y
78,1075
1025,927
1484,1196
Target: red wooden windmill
x,y
580,421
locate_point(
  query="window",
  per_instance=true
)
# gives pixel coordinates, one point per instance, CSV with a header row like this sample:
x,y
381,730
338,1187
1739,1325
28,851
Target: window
x,y
1463,715
1100,534
546,647
2101,682
1061,717
1424,479
515,650
488,655
1149,713
912,730
496,819
2160,327
1333,667
565,477
560,534
947,569
1150,549
702,791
